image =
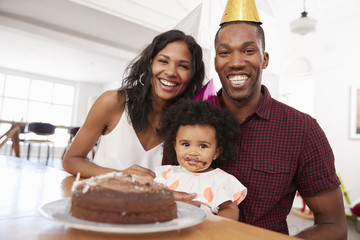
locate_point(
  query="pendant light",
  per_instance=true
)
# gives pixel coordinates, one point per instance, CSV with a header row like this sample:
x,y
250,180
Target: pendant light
x,y
304,24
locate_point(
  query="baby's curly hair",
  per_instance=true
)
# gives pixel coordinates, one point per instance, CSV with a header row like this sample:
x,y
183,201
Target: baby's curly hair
x,y
189,112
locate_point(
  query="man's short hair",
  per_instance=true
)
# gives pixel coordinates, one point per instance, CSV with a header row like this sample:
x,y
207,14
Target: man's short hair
x,y
260,30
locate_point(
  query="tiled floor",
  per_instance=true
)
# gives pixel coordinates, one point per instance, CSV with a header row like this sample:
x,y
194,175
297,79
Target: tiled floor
x,y
295,222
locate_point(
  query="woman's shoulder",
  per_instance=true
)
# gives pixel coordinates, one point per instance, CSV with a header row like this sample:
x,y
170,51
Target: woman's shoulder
x,y
111,99
110,96
107,110
107,106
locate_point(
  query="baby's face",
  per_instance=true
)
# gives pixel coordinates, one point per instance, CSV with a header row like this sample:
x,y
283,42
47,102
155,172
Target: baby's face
x,y
196,147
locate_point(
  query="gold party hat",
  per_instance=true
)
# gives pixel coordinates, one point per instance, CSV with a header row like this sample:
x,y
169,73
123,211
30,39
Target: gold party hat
x,y
240,10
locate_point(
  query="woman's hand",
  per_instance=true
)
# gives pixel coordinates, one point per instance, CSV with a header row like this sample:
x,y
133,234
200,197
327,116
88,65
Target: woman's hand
x,y
141,171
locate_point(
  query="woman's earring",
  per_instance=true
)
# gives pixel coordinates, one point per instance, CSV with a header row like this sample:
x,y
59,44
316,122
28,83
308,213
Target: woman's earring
x,y
140,79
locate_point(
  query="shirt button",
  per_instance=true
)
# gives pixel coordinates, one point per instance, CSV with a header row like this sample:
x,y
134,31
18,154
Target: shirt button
x,y
271,167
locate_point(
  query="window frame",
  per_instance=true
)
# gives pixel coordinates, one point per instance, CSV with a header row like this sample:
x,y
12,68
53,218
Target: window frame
x,y
33,78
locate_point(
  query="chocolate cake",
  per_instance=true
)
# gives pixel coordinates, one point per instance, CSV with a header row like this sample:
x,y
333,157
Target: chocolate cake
x,y
122,199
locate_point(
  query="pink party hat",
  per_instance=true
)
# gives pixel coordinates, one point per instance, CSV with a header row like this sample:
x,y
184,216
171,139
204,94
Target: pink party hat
x,y
208,93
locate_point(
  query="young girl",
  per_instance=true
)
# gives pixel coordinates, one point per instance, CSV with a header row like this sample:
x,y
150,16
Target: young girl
x,y
200,136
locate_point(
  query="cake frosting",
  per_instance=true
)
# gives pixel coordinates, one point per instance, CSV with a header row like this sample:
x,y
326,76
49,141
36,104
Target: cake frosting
x,y
123,199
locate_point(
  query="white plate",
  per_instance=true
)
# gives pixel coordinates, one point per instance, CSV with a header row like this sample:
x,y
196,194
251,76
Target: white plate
x,y
188,215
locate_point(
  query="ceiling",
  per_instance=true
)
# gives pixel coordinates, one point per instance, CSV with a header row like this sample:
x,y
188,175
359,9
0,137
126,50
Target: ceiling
x,y
93,41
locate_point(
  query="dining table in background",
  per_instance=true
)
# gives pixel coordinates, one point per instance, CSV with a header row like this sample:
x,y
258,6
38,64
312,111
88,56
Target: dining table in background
x,y
25,186
13,134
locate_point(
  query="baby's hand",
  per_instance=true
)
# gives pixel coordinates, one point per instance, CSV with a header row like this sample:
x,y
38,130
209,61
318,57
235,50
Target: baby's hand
x,y
186,197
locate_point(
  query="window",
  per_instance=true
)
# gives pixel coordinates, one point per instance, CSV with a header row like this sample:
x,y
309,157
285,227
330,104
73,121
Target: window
x,y
25,99
33,100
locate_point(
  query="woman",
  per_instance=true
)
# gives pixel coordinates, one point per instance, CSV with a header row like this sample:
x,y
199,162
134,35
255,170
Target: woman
x,y
127,119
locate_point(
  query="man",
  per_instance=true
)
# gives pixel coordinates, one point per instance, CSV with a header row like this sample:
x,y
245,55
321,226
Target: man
x,y
280,150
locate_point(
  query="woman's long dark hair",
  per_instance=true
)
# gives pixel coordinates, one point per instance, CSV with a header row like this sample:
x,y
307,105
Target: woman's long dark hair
x,y
139,97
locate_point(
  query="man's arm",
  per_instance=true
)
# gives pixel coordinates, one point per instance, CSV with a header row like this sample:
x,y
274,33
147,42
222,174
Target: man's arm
x,y
329,216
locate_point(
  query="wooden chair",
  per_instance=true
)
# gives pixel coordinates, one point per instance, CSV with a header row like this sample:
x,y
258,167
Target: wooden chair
x,y
12,135
42,132
72,132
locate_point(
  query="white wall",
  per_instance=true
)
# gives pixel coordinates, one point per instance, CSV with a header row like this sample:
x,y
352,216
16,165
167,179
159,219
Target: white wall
x,y
333,52
332,110
87,93
338,72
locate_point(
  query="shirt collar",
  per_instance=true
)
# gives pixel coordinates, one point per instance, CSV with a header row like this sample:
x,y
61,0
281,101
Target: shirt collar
x,y
263,111
264,108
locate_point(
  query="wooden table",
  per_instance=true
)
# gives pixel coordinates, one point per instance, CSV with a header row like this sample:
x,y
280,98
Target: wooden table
x,y
25,186
13,134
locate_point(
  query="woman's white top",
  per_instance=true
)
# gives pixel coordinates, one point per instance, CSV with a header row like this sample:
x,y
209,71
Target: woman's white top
x,y
121,148
212,188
